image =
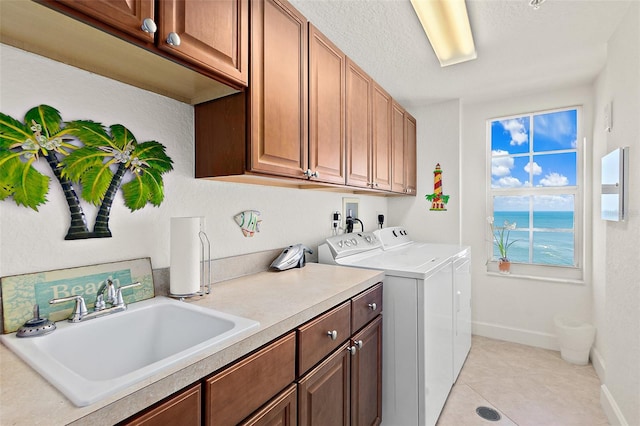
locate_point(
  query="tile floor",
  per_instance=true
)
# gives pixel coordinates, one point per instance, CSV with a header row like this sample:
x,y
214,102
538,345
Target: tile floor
x,y
528,386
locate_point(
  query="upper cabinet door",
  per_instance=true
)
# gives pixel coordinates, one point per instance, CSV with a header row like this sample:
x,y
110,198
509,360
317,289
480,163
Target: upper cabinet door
x,y
126,16
213,34
381,138
326,108
410,155
278,89
397,150
358,126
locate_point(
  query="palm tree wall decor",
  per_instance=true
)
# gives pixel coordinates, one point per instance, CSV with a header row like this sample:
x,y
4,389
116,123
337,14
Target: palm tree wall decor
x,y
83,153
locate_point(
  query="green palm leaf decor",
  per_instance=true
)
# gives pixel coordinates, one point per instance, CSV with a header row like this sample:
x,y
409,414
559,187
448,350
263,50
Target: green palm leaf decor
x,y
98,160
42,134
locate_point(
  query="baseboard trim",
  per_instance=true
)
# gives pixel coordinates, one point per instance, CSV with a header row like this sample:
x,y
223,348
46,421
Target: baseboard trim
x,y
610,408
598,363
516,335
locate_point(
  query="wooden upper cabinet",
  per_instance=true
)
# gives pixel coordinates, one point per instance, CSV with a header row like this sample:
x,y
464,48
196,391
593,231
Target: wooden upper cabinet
x,y
327,68
278,89
358,126
381,138
126,16
213,34
410,155
397,148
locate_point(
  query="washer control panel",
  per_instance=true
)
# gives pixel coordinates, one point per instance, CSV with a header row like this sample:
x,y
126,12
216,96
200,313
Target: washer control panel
x,y
352,243
393,236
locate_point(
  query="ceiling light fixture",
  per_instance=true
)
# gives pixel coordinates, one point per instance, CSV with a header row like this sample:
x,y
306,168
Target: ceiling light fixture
x,y
447,26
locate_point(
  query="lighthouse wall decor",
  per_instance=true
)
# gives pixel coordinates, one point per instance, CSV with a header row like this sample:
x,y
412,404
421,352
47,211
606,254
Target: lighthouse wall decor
x,y
438,200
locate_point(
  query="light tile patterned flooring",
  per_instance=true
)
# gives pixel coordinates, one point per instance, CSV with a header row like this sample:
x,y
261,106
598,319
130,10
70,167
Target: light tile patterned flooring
x,y
528,386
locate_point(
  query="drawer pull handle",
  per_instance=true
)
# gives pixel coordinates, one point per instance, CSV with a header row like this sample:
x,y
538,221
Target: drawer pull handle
x,y
352,350
333,334
373,306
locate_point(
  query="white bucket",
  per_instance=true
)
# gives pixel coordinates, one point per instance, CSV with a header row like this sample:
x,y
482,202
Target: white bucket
x,y
575,339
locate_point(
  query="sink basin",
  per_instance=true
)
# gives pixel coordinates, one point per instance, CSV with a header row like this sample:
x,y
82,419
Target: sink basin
x,y
91,360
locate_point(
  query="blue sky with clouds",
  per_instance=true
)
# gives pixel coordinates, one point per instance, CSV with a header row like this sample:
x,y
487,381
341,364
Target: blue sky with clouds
x,y
531,152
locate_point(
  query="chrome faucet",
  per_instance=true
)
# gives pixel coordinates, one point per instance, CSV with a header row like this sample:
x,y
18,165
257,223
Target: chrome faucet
x,y
107,286
114,297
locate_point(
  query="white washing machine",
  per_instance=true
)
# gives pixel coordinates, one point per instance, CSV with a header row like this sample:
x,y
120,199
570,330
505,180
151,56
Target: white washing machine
x,y
426,316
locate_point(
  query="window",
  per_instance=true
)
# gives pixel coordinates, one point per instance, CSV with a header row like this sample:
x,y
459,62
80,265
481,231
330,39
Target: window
x,y
536,182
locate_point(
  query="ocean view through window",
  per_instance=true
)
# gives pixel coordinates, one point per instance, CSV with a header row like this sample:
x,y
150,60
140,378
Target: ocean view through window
x,y
535,182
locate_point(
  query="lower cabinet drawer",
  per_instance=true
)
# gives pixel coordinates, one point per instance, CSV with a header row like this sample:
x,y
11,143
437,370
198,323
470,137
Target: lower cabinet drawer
x,y
237,391
183,408
320,336
366,306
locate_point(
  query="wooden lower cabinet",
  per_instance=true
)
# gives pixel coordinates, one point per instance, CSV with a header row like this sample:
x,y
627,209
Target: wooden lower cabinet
x,y
323,393
345,388
182,409
366,375
281,411
338,382
237,391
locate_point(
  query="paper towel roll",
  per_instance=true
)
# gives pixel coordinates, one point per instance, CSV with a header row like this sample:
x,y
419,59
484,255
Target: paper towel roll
x,y
185,260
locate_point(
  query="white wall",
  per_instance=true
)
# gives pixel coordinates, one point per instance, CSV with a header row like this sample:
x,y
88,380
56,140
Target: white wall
x,y
33,241
506,307
438,141
620,310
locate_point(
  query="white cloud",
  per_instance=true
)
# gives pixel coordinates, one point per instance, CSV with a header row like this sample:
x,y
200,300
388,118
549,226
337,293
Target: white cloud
x,y
516,129
501,166
533,166
554,179
508,182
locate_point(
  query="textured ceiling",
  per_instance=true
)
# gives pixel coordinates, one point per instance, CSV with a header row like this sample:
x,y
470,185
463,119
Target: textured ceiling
x,y
520,50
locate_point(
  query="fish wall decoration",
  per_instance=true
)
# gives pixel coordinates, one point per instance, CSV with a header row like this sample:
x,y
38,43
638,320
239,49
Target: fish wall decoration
x,y
249,222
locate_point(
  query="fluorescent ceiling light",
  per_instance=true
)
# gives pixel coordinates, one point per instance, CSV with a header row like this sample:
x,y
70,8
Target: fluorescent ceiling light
x,y
447,26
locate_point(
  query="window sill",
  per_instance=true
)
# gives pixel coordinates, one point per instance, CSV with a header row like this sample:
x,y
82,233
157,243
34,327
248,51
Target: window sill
x,y
547,273
536,278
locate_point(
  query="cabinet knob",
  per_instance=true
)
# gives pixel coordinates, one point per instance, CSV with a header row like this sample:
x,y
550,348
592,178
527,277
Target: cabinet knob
x,y
173,39
373,306
148,26
332,334
352,350
309,174
359,344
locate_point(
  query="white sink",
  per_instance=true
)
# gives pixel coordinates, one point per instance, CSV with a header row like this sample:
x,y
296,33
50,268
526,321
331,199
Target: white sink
x,y
91,360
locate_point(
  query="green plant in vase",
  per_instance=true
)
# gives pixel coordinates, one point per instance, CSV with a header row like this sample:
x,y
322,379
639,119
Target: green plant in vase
x,y
501,240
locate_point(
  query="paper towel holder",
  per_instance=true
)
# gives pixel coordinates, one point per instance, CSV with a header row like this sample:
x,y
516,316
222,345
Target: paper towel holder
x,y
205,269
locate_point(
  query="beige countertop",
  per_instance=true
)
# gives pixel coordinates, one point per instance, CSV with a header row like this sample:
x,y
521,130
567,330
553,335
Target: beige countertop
x,y
279,301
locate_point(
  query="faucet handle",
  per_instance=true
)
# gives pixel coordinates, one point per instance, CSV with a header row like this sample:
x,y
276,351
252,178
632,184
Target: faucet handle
x,y
119,299
111,292
79,310
100,304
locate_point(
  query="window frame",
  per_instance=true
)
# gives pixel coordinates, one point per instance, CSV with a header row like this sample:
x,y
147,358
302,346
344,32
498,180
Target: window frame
x,y
568,273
